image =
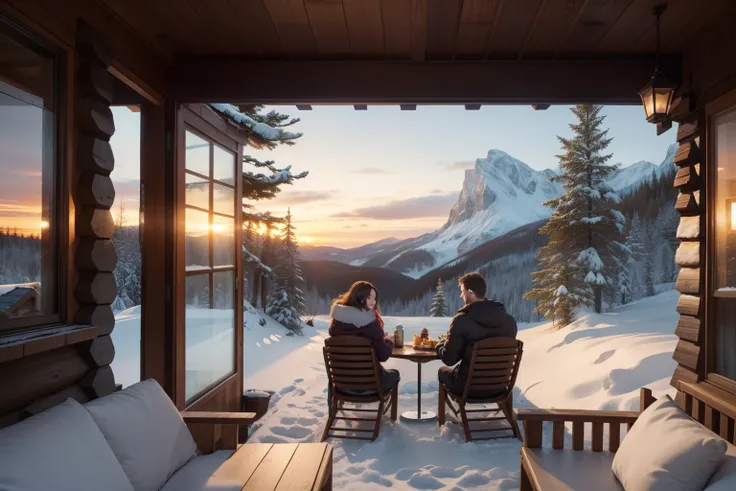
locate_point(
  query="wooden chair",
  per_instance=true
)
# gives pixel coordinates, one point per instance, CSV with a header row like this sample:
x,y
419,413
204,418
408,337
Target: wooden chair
x,y
493,367
351,365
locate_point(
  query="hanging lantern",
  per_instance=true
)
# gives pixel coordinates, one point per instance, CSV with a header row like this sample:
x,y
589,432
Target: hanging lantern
x,y
657,95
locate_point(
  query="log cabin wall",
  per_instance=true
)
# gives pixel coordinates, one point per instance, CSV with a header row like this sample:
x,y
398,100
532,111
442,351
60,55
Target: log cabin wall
x,y
709,72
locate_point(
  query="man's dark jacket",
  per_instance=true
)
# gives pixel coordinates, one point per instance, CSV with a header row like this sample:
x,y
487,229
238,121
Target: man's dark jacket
x,y
476,321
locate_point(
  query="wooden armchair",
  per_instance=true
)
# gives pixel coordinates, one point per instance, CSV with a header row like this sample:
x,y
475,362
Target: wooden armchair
x,y
352,369
493,369
560,470
213,430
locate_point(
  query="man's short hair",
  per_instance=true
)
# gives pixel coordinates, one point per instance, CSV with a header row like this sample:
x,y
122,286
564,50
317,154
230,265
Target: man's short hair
x,y
474,282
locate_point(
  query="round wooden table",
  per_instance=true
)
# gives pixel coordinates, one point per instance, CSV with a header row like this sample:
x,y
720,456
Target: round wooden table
x,y
418,357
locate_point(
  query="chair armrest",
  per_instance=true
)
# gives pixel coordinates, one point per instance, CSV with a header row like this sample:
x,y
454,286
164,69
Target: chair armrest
x,y
576,415
217,417
533,419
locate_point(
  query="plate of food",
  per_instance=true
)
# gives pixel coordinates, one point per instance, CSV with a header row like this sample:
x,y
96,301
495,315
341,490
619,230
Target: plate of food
x,y
423,342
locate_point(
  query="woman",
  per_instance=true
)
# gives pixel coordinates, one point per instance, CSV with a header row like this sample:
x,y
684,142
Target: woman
x,y
356,313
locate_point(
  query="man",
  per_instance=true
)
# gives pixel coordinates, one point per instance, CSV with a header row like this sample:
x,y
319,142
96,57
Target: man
x,y
478,319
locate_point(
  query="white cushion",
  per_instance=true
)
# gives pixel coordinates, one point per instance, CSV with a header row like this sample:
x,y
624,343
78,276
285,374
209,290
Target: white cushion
x,y
724,478
60,448
146,433
195,475
666,450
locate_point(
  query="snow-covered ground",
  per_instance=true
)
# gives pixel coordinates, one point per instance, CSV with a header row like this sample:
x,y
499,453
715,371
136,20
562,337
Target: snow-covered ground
x,y
599,362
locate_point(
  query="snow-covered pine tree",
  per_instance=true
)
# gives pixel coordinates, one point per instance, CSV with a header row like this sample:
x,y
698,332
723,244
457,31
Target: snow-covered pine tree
x,y
439,306
286,303
585,232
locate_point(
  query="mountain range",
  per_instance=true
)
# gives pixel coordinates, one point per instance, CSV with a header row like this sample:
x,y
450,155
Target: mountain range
x,y
500,194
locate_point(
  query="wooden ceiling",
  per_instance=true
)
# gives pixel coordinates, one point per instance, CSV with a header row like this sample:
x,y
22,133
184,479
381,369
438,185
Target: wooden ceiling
x,y
415,30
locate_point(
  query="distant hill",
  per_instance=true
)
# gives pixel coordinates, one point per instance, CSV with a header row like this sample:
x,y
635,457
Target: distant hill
x,y
333,278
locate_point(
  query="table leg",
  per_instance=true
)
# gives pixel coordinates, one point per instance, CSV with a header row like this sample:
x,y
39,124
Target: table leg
x,y
419,389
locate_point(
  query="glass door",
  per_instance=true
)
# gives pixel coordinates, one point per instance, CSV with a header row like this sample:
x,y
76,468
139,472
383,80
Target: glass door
x,y
210,262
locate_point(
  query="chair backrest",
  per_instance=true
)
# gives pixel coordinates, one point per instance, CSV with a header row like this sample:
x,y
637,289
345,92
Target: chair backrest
x,y
351,364
494,365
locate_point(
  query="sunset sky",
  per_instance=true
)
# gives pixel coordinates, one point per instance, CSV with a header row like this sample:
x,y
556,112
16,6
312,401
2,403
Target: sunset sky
x,y
373,174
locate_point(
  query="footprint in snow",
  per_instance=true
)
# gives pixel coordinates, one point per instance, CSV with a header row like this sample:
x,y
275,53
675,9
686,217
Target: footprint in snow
x,y
473,479
375,478
292,431
354,470
286,420
424,481
272,439
319,414
307,421
445,472
288,389
299,392
405,474
298,380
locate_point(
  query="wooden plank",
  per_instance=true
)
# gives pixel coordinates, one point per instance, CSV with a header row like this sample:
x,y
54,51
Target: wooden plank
x,y
44,343
687,131
683,374
597,438
365,27
634,22
230,35
686,178
614,437
687,154
592,24
329,27
266,477
554,22
712,419
683,109
687,354
687,204
558,434
688,281
578,435
217,417
240,466
74,392
292,24
688,254
576,415
688,328
510,32
443,18
271,82
254,18
397,28
726,427
324,481
715,397
303,470
478,18
532,434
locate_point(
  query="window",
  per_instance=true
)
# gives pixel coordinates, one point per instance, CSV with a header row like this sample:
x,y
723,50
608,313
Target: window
x,y
30,216
210,263
724,156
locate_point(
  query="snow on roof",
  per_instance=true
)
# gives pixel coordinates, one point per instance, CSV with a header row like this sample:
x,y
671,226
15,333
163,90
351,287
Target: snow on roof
x,y
264,130
10,287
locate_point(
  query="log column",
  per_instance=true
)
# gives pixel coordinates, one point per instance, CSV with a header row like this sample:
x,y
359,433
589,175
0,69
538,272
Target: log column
x,y
690,351
93,193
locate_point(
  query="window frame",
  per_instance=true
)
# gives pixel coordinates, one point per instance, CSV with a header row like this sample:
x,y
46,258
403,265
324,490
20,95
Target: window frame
x,y
200,123
59,205
715,108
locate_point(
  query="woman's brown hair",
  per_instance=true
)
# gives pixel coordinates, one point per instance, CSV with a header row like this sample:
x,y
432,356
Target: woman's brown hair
x,y
357,295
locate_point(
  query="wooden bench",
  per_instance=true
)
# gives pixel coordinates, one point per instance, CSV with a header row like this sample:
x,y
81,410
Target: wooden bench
x,y
269,467
579,469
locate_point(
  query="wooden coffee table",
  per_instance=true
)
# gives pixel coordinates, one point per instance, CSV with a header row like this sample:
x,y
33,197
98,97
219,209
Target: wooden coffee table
x,y
419,357
280,466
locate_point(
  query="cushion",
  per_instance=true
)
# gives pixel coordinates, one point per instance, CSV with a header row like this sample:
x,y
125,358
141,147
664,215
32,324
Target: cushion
x,y
570,470
60,448
724,478
195,474
146,433
666,450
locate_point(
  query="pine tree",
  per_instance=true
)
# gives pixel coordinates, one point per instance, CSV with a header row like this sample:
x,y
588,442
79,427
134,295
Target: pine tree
x,y
585,248
286,303
439,306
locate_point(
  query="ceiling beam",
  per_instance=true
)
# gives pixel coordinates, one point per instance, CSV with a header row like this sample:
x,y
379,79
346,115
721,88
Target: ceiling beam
x,y
472,107
304,107
611,81
540,107
361,107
